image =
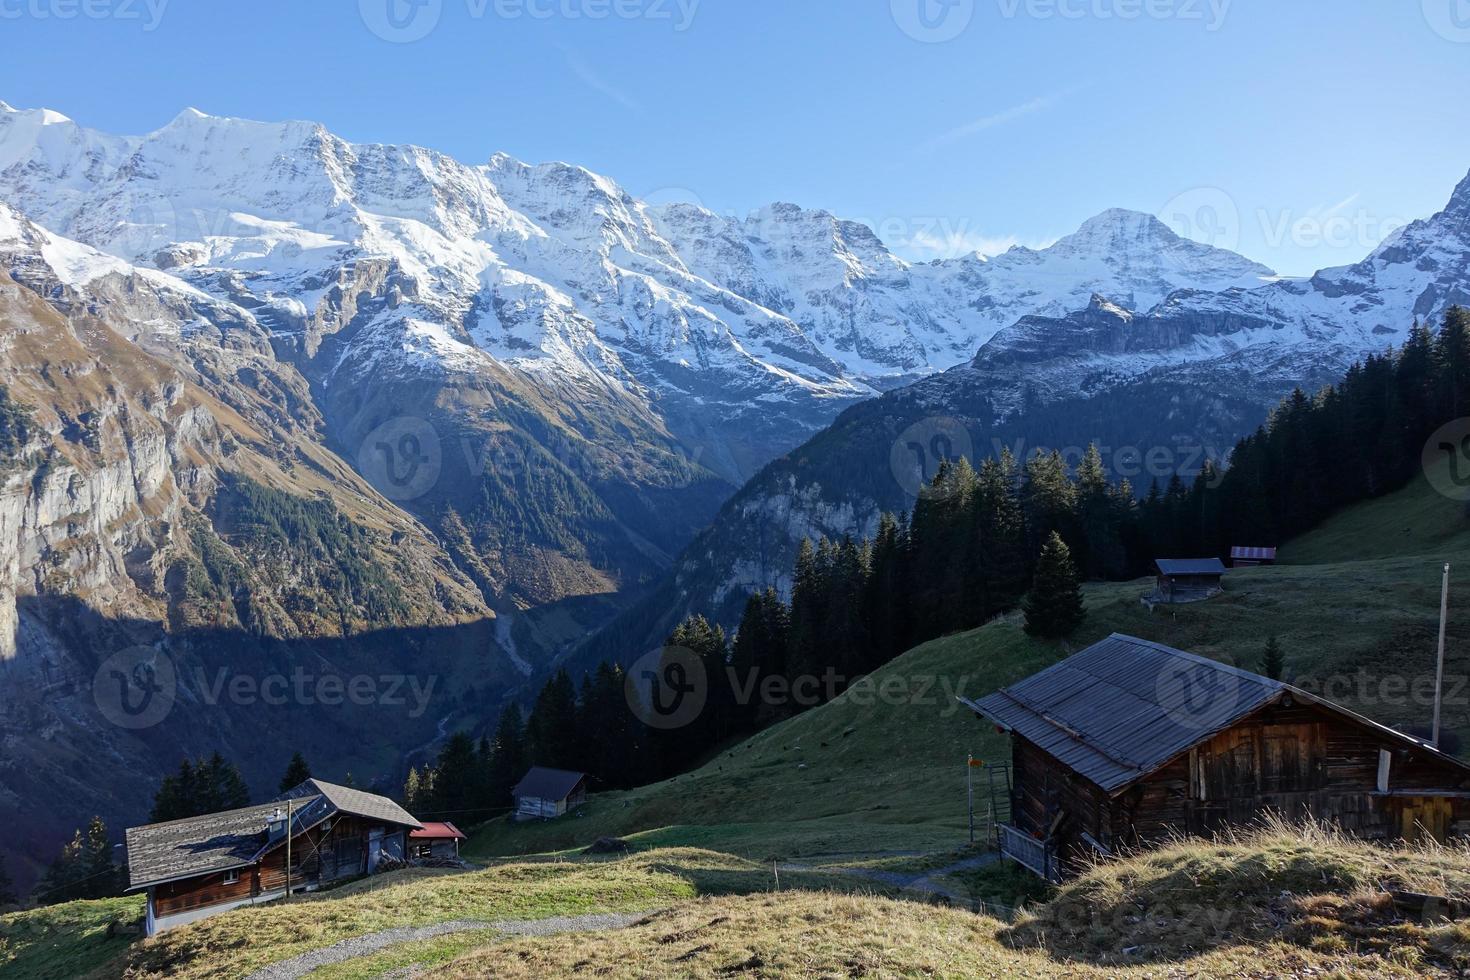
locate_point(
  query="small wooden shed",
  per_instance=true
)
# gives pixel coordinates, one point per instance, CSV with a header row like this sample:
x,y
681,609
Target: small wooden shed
x,y
435,840
1247,556
1188,579
545,794
1128,742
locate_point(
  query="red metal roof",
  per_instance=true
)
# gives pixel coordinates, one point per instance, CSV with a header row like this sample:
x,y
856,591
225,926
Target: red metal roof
x,y
438,831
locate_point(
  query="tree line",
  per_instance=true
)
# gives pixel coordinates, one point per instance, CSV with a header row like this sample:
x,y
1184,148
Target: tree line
x,y
982,541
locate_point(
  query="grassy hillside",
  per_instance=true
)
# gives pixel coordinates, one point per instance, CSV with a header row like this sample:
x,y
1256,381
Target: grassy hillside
x,y
795,852
1278,902
1272,904
882,768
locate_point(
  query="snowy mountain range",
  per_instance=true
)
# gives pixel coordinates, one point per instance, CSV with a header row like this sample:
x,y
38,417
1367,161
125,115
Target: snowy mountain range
x,y
1184,375
549,327
597,374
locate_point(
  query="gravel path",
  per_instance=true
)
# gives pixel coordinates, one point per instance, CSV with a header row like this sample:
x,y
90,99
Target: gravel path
x,y
350,949
922,881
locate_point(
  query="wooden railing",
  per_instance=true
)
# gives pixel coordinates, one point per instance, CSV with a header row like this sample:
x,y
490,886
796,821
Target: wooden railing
x,y
1029,852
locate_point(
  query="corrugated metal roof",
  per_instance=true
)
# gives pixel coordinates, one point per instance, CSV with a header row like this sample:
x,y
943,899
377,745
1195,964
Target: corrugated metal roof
x,y
1253,554
548,784
1124,707
1190,566
438,831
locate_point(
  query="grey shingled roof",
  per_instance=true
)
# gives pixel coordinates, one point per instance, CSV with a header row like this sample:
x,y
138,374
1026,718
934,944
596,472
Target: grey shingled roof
x,y
196,845
1191,566
1124,707
237,838
548,784
344,799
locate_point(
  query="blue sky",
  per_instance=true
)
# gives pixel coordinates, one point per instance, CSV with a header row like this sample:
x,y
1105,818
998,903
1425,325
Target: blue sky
x,y
1296,132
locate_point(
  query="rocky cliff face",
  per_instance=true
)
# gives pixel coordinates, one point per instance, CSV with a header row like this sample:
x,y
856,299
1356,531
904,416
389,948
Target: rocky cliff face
x,y
140,510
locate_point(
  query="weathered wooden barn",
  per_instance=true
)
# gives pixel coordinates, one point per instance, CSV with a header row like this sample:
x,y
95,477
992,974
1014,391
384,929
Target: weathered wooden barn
x,y
199,867
1246,556
544,794
1129,741
1188,579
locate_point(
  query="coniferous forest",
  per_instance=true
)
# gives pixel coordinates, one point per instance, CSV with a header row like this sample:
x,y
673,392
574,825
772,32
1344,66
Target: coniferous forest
x,y
980,541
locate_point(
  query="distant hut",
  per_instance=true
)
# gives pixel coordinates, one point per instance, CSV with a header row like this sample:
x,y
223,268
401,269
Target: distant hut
x,y
545,794
1242,556
1188,579
1129,742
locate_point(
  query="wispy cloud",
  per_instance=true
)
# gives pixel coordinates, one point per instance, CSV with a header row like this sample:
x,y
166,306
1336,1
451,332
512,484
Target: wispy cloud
x,y
589,77
993,120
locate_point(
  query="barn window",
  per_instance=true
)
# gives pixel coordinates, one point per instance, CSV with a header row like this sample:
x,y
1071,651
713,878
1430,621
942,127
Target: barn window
x,y
232,877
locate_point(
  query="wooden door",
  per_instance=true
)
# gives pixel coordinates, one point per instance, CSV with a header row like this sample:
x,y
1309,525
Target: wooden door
x,y
1425,818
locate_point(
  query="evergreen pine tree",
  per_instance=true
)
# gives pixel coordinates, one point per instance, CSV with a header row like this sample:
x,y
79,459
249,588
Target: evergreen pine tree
x,y
177,796
83,870
1273,663
507,755
808,613
297,772
551,732
221,786
1054,605
8,894
100,875
413,791
454,778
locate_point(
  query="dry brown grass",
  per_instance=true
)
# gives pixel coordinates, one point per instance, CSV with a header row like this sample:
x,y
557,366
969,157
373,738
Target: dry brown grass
x,y
234,944
826,935
1306,884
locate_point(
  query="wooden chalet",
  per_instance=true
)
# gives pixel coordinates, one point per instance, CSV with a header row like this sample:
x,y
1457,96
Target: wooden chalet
x,y
1129,741
545,794
198,867
1243,556
1188,579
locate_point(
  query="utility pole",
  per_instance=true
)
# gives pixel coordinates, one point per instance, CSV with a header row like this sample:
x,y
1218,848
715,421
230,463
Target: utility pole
x,y
1444,607
288,850
970,792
